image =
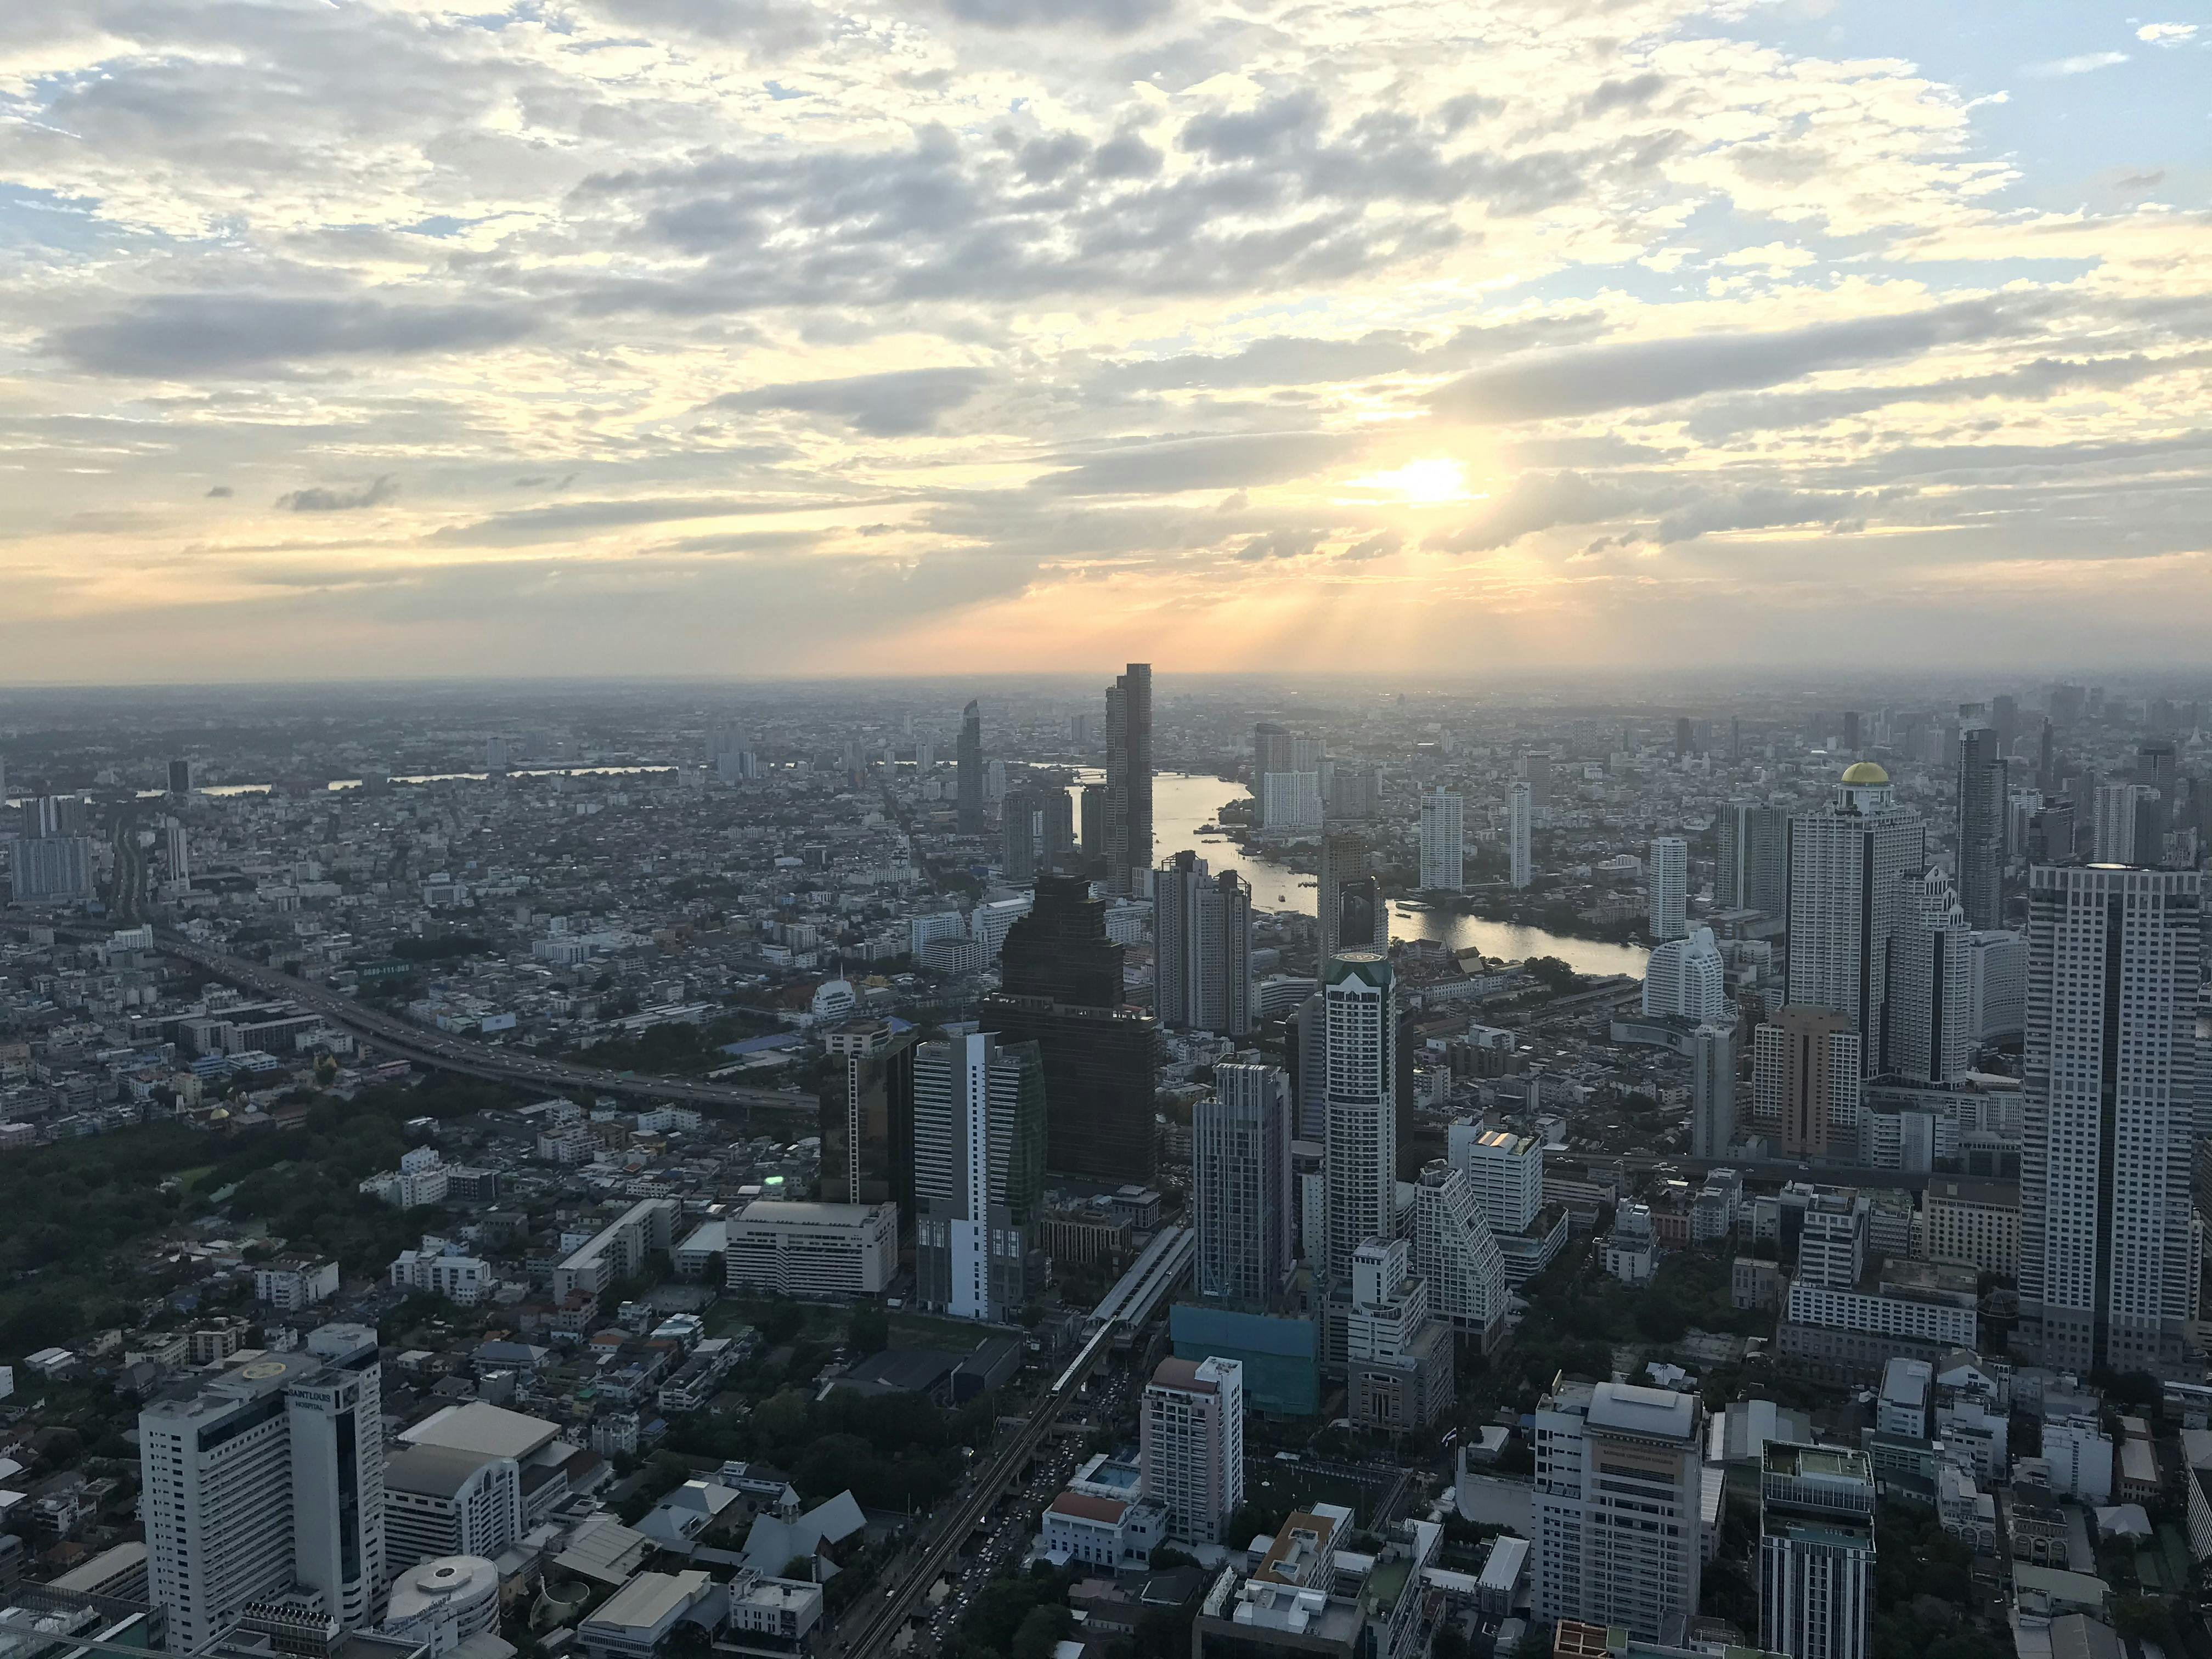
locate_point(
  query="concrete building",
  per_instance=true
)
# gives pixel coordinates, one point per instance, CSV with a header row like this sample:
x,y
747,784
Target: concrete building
x,y
813,1252
617,1250
1618,1498
1816,1552
1202,948
1996,981
1973,1223
1443,842
1805,1081
1712,1091
1687,980
1506,1169
1453,1251
1670,887
978,1133
1241,1199
1360,1015
1928,1029
1845,864
1398,1359
1519,813
1128,799
1981,827
1755,859
1191,1426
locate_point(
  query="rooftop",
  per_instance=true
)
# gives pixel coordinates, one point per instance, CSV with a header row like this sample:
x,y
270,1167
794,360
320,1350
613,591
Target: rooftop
x,y
1659,1413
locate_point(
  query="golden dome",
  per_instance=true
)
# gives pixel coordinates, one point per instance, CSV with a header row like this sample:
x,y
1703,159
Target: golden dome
x,y
1864,772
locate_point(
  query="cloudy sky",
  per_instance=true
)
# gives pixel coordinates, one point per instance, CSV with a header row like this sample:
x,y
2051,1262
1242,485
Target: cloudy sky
x,y
381,337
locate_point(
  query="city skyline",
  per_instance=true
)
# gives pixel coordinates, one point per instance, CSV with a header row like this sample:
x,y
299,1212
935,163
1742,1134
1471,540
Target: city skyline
x,y
635,336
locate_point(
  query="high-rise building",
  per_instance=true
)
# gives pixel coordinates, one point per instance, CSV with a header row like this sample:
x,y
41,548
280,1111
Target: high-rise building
x,y
1062,988
1845,860
1443,843
1686,979
1519,812
1291,801
1094,826
1815,1552
1982,795
1670,887
2112,835
1618,1489
1806,1080
1506,1170
1453,1248
266,1478
1306,1048
1755,859
1023,832
1927,1031
181,777
48,816
177,849
1398,1359
978,1154
1203,947
1360,1013
1343,861
1537,773
51,869
968,782
1191,1445
867,1117
1129,779
1241,1197
1712,1091
2109,1097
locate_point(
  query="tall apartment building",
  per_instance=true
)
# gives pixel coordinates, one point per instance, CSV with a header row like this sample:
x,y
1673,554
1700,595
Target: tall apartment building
x,y
1805,1081
1519,813
2109,1094
1815,1552
867,1117
1670,887
1755,859
1191,1445
1360,1013
1505,1169
968,783
1453,1250
979,1155
1618,1483
1712,1091
1241,1197
1203,947
2112,831
1128,803
1443,842
1832,1240
266,1478
1685,980
1928,1028
1846,861
1981,829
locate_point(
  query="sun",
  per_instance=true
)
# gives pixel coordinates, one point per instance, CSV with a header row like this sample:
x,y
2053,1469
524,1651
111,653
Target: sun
x,y
1432,481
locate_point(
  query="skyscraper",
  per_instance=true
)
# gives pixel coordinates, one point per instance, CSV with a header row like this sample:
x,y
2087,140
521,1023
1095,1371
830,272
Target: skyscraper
x,y
1060,988
1982,796
1023,834
978,1151
181,777
1453,1248
1712,1091
2109,1099
1685,980
1816,1552
1806,1084
2112,834
1094,826
1928,1032
1619,1479
1670,887
867,1117
264,1477
1129,779
1203,947
1359,1012
1754,858
1241,1197
1443,842
1343,861
967,755
1191,1445
1519,813
1844,862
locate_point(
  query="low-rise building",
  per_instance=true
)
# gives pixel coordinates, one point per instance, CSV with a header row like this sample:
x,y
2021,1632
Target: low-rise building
x,y
813,1250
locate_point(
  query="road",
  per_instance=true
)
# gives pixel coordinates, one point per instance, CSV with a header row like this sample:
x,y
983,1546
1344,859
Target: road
x,y
868,1626
454,1054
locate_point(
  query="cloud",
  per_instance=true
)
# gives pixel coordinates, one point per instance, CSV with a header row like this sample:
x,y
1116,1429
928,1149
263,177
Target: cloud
x,y
898,403
179,336
317,499
531,526
1218,463
767,27
221,492
2166,34
1109,16
2082,65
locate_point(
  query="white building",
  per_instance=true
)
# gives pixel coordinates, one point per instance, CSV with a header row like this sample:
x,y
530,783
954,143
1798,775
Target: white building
x,y
814,1252
1291,801
1687,980
1443,842
1506,1169
2108,1264
471,1479
439,1271
1670,887
1519,812
1997,984
1831,1246
1241,1197
296,1283
1882,1315
1631,1248
618,1250
443,1602
1359,1014
1816,1552
1453,1248
2112,833
1845,864
1192,1445
979,1149
270,1477
1618,1500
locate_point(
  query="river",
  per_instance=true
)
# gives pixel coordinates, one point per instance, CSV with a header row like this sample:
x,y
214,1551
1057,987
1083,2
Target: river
x,y
1183,803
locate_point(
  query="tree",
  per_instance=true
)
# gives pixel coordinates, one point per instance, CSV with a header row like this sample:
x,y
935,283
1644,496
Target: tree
x,y
868,1330
1042,1627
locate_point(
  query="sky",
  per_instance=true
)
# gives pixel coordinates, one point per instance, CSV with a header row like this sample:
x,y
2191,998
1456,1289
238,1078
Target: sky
x,y
345,338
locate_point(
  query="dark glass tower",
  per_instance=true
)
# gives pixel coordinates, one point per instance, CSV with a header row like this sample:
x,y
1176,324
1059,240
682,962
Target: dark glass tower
x,y
970,780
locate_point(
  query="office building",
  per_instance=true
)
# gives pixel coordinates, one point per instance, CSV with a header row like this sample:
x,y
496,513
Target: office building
x,y
1806,1082
1398,1359
1685,979
867,1117
1344,893
1618,1507
1306,1048
979,1155
967,779
263,1479
1022,833
1191,1446
1506,1170
1846,861
1831,1239
1712,1091
1241,1200
2108,1264
180,778
1202,948
813,1252
1928,1034
1443,842
1981,829
1815,1552
176,846
1519,810
1755,859
1360,1013
1452,1248
1129,806
1093,826
1670,887
1062,988
1997,985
